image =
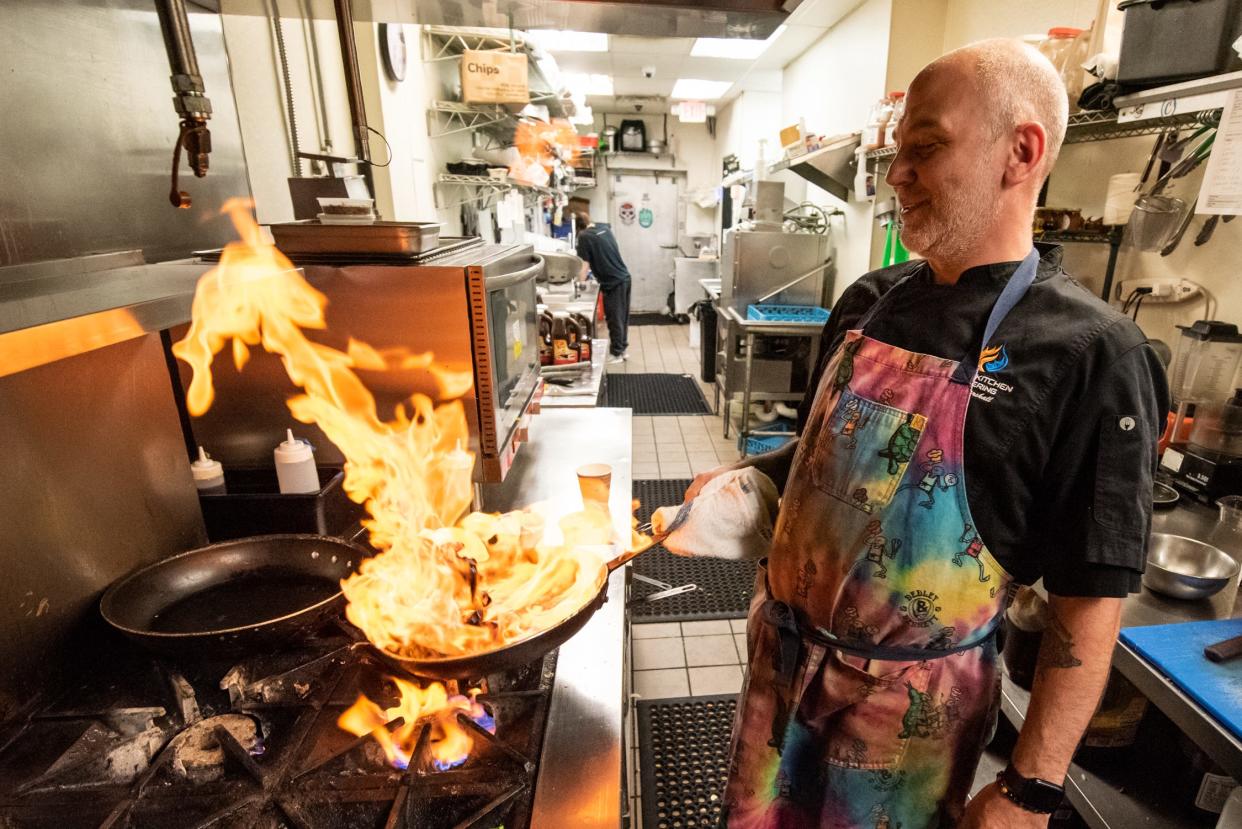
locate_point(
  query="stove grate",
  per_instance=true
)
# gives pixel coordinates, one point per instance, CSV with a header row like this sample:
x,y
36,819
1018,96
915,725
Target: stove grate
x,y
304,773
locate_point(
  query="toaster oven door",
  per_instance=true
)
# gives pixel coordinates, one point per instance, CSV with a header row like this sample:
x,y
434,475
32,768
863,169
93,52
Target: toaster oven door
x,y
511,364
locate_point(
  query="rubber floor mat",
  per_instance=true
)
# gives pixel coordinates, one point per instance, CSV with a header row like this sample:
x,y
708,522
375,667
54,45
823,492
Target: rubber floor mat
x,y
653,319
724,589
654,394
683,760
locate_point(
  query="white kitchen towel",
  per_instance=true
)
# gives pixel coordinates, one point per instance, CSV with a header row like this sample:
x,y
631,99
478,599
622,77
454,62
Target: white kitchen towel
x,y
731,517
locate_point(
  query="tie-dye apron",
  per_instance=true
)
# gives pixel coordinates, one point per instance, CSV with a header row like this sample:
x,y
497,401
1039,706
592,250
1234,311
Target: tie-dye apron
x,y
873,685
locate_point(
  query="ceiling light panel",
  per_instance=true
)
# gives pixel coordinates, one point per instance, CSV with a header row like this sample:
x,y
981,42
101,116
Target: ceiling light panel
x,y
695,89
554,40
734,48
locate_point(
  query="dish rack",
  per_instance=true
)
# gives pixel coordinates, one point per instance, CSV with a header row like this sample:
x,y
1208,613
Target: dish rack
x,y
787,313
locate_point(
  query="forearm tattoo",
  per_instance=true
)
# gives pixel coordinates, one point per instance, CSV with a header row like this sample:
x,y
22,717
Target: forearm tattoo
x,y
1057,650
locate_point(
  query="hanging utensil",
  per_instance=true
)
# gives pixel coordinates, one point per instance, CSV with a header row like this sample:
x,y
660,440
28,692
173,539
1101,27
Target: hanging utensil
x,y
1161,140
1205,232
1188,164
1181,230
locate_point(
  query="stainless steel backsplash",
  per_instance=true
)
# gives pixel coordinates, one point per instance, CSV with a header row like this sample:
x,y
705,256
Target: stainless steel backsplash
x,y
94,481
87,131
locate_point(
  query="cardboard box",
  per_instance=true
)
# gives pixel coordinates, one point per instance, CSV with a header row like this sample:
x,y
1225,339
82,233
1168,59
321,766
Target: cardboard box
x,y
490,77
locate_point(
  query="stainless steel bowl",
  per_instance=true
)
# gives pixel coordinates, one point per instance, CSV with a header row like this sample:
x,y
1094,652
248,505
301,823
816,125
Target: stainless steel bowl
x,y
1184,568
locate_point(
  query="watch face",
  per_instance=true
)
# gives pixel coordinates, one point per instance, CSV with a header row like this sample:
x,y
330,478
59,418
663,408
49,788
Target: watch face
x,y
392,44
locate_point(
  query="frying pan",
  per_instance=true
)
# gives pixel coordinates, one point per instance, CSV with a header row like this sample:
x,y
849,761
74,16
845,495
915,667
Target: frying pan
x,y
238,596
523,651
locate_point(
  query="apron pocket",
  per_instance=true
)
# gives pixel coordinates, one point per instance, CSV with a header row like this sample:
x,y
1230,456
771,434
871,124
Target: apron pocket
x,y
862,450
872,732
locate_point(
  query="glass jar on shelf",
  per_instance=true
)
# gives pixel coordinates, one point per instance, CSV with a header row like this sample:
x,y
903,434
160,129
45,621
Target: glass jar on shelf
x,y
877,122
1066,47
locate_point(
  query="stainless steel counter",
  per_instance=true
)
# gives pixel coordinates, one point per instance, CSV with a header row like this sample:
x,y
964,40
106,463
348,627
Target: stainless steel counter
x,y
579,781
1113,800
584,392
1148,608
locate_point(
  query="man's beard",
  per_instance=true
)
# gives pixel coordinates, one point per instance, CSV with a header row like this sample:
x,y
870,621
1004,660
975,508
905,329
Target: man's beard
x,y
954,223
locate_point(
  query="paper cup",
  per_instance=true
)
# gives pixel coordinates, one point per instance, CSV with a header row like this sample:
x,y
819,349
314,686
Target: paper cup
x,y
595,484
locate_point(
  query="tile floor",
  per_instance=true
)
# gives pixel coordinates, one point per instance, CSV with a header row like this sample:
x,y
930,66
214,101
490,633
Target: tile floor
x,y
677,659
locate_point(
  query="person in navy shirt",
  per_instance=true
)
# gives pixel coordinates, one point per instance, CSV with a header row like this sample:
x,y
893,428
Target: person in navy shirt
x,y
597,247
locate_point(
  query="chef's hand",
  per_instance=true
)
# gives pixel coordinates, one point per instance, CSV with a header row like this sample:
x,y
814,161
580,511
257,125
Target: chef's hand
x,y
774,464
701,479
990,809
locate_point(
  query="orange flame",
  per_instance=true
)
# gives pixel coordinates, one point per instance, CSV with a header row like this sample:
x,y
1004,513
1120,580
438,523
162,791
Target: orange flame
x,y
445,582
449,743
541,145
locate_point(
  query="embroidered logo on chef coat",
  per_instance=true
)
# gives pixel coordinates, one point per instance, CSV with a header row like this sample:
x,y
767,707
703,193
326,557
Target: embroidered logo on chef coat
x,y
992,360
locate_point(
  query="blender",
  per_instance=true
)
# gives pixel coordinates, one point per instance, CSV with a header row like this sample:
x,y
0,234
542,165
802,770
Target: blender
x,y
1207,462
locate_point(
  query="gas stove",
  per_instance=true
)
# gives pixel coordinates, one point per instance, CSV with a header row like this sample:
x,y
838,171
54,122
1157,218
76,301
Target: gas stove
x,y
254,743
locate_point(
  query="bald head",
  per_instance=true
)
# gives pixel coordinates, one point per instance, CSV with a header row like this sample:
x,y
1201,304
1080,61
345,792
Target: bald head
x,y
982,129
1015,85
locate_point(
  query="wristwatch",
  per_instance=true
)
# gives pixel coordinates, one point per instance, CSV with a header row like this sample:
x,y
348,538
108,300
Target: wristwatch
x,y
1030,793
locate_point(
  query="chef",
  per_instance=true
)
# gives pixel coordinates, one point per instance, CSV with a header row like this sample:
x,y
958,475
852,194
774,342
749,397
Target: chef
x,y
980,420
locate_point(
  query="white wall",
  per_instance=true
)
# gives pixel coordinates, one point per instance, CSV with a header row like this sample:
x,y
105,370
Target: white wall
x,y
971,20
833,86
259,94
696,152
747,119
397,110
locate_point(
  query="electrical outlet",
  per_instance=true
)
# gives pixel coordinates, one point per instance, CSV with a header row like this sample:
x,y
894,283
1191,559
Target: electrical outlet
x,y
1163,289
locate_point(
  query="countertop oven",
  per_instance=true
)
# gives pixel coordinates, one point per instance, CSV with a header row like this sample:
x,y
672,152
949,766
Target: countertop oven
x,y
472,307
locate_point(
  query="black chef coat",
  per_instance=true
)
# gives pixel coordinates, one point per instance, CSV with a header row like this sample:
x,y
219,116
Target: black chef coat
x,y
1061,432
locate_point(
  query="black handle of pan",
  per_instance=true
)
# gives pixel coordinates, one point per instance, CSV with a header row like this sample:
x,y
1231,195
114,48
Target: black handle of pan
x,y
1224,651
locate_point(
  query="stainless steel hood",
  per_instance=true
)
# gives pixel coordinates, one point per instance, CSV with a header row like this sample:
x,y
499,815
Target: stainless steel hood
x,y
689,18
830,168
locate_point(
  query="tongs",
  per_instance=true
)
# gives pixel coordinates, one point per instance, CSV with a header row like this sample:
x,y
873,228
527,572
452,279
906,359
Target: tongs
x,y
664,589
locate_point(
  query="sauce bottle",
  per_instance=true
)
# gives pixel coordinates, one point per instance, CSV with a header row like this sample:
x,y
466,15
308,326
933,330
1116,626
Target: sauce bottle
x,y
545,338
295,466
561,353
584,344
208,475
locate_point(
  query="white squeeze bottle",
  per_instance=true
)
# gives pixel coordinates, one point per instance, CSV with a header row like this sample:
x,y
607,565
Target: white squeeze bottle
x,y
295,466
208,474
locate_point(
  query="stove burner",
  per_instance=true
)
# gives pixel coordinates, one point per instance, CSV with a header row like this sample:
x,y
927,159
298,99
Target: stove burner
x,y
256,745
198,754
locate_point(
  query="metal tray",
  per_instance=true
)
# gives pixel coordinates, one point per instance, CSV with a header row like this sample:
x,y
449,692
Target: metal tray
x,y
397,238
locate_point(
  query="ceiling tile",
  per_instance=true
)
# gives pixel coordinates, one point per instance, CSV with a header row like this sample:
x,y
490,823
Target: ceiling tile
x,y
593,62
714,69
651,45
643,86
628,64
822,13
793,42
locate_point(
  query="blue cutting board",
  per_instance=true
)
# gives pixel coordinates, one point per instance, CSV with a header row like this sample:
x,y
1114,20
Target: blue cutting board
x,y
1176,650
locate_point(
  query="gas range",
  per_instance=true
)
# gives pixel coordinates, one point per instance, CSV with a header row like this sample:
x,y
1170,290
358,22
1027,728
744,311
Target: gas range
x,y
146,743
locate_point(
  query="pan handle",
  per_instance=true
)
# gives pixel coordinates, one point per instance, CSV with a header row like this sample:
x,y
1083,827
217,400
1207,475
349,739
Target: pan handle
x,y
1224,651
630,555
